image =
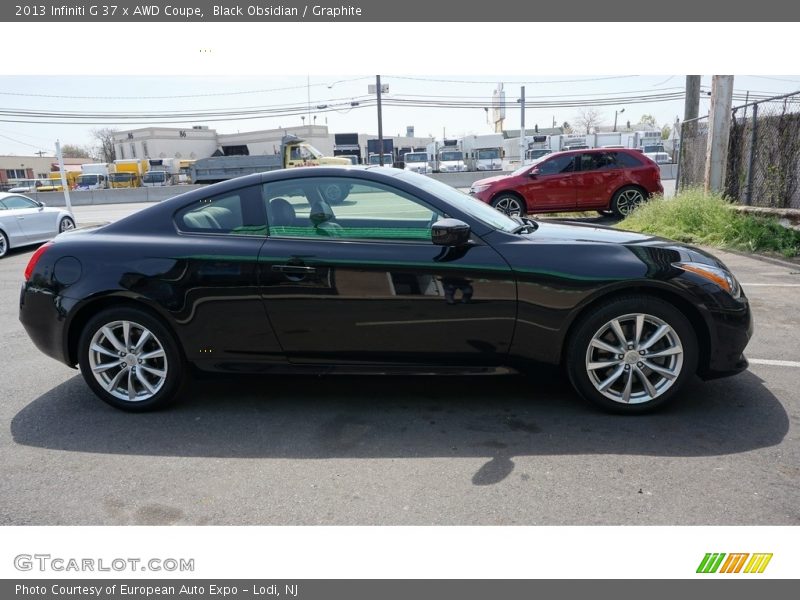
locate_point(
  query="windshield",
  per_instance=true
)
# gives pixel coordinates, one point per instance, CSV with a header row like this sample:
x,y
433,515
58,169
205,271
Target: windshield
x,y
532,154
376,160
416,157
450,156
87,180
472,206
489,154
656,148
153,176
121,176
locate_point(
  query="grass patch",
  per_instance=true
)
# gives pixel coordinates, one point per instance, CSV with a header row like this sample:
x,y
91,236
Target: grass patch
x,y
696,218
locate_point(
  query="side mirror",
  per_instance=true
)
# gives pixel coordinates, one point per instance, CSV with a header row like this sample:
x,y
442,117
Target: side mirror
x,y
450,232
533,172
40,203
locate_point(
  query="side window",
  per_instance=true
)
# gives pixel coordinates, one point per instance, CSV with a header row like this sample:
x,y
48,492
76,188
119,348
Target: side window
x,y
558,164
627,160
599,161
345,208
19,202
236,213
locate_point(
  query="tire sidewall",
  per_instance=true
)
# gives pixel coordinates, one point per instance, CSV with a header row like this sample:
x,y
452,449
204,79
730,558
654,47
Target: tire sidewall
x,y
174,358
4,250
588,326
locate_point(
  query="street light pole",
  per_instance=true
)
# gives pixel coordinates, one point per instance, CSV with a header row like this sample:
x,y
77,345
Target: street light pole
x,y
616,112
380,120
522,145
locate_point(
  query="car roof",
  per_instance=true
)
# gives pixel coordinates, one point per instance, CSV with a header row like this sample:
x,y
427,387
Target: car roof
x,y
4,195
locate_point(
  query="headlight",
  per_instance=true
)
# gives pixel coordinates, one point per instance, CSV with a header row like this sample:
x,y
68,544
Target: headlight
x,y
721,277
477,189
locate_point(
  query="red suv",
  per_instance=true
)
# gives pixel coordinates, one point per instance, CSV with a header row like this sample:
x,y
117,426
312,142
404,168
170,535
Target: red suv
x,y
599,179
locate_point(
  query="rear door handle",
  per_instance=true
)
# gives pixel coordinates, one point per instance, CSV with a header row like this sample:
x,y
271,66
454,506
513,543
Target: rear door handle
x,y
294,269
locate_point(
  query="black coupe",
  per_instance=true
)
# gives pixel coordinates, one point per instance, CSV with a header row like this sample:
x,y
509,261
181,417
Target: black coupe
x,y
361,269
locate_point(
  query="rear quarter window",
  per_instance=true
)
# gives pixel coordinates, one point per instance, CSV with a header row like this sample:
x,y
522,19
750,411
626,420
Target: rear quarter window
x,y
628,160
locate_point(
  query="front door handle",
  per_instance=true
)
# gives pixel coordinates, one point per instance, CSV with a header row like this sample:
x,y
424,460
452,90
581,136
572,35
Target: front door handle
x,y
294,269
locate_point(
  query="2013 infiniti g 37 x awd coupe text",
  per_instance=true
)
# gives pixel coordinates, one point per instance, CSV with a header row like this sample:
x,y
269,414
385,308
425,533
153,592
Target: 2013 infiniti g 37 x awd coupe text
x,y
261,274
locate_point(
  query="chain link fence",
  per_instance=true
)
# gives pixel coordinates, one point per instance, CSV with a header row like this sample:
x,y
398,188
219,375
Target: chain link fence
x,y
763,167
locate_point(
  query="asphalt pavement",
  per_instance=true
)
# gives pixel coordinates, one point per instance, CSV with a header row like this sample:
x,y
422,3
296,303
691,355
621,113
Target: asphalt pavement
x,y
378,450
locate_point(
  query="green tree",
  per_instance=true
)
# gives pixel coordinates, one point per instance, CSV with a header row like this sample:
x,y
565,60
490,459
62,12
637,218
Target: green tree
x,y
665,131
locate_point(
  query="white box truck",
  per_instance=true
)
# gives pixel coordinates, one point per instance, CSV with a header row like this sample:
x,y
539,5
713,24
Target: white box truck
x,y
483,152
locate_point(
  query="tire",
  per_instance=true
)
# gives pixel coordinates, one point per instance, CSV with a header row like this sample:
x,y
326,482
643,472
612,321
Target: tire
x,y
651,371
66,224
147,378
509,204
626,199
4,245
335,193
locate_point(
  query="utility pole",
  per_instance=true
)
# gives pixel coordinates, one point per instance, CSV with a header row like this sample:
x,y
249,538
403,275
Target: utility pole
x,y
380,120
522,146
719,129
63,176
691,107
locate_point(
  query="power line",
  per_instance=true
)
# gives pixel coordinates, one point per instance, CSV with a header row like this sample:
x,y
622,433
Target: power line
x,y
512,82
179,96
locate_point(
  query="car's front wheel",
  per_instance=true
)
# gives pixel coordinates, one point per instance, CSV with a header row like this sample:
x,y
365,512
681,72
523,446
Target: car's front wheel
x,y
130,360
626,200
510,205
631,354
3,244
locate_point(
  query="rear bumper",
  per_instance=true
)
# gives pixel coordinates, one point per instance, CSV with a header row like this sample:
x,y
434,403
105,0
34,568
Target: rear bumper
x,y
43,316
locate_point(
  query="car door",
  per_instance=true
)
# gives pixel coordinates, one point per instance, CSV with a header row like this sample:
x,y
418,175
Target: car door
x,y
36,223
10,225
550,185
365,284
599,176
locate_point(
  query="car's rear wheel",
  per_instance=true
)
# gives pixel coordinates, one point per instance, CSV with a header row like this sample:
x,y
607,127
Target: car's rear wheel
x,y
632,354
510,205
130,360
66,224
626,200
3,244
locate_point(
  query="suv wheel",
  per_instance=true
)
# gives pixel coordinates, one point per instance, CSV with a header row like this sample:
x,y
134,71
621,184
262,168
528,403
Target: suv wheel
x,y
509,204
626,200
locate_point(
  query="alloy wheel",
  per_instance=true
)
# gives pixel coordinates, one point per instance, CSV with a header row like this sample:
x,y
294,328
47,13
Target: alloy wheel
x,y
628,200
508,205
128,361
634,358
66,224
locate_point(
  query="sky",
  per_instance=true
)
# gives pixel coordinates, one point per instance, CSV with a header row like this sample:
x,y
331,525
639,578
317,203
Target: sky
x,y
138,94
123,67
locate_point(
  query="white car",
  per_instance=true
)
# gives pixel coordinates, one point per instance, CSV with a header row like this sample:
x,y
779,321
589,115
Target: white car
x,y
24,221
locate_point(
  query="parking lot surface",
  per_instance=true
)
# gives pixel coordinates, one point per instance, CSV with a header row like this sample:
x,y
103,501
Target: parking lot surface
x,y
505,449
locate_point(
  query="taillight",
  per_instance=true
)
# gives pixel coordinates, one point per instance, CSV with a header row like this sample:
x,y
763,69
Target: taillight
x,y
35,259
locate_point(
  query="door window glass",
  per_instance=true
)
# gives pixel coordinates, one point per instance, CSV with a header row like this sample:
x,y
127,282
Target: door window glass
x,y
556,165
345,208
19,202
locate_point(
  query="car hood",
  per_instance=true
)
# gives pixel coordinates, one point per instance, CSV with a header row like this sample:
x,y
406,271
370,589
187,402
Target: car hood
x,y
561,233
582,232
489,180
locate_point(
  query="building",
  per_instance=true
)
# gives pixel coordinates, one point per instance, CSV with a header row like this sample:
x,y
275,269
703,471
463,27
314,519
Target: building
x,y
13,167
201,142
